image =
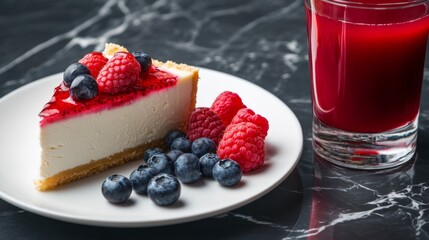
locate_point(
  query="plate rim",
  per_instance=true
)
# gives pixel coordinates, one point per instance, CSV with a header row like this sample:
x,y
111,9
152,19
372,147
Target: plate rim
x,y
93,221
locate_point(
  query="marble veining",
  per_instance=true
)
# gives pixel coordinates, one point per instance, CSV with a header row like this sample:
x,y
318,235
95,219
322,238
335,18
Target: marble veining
x,y
5,214
263,42
414,207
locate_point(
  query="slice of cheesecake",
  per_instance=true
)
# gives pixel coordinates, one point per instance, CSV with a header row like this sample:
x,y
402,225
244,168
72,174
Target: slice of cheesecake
x,y
80,138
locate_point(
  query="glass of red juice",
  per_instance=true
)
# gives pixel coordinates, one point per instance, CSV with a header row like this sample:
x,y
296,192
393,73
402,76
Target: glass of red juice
x,y
366,60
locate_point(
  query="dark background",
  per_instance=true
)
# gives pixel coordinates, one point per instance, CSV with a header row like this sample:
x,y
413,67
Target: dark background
x,y
263,42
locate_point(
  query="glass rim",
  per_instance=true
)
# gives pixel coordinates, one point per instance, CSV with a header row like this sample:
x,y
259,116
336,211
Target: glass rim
x,y
377,6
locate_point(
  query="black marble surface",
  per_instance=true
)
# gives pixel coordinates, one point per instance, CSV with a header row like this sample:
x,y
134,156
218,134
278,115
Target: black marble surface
x,y
263,42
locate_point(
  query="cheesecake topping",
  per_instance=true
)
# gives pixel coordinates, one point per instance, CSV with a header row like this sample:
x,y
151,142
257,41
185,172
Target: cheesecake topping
x,y
119,74
106,80
62,105
94,61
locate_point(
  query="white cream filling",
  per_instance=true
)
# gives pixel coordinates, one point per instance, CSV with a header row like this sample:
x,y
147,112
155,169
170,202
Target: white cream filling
x,y
76,141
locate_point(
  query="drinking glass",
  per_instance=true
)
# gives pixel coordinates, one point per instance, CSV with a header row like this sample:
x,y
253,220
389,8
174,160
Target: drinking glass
x,y
366,60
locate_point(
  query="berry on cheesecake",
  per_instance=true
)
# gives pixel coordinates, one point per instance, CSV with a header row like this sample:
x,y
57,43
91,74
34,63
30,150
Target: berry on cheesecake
x,y
84,87
94,61
72,71
144,60
119,74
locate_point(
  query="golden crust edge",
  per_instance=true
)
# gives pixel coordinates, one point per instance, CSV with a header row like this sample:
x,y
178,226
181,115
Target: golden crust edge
x,y
178,66
94,167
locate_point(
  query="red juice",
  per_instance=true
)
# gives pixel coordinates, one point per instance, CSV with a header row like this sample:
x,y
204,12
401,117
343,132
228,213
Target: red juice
x,y
366,65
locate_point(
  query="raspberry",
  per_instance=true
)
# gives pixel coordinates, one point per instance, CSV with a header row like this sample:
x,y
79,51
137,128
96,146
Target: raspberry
x,y
248,115
203,122
94,61
119,74
244,143
226,106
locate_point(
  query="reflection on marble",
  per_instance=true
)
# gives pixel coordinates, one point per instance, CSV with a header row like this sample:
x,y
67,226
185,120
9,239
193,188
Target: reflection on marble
x,y
261,41
347,204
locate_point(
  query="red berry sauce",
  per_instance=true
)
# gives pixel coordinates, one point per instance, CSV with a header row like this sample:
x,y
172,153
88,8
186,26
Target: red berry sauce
x,y
63,106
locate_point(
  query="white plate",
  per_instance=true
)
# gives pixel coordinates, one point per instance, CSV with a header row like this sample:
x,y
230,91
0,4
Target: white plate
x,y
82,202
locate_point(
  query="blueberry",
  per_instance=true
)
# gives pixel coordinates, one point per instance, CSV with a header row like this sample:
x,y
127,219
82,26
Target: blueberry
x,y
174,154
201,146
140,178
144,60
116,188
181,143
227,172
150,152
73,71
161,163
207,162
84,87
164,189
187,168
173,134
